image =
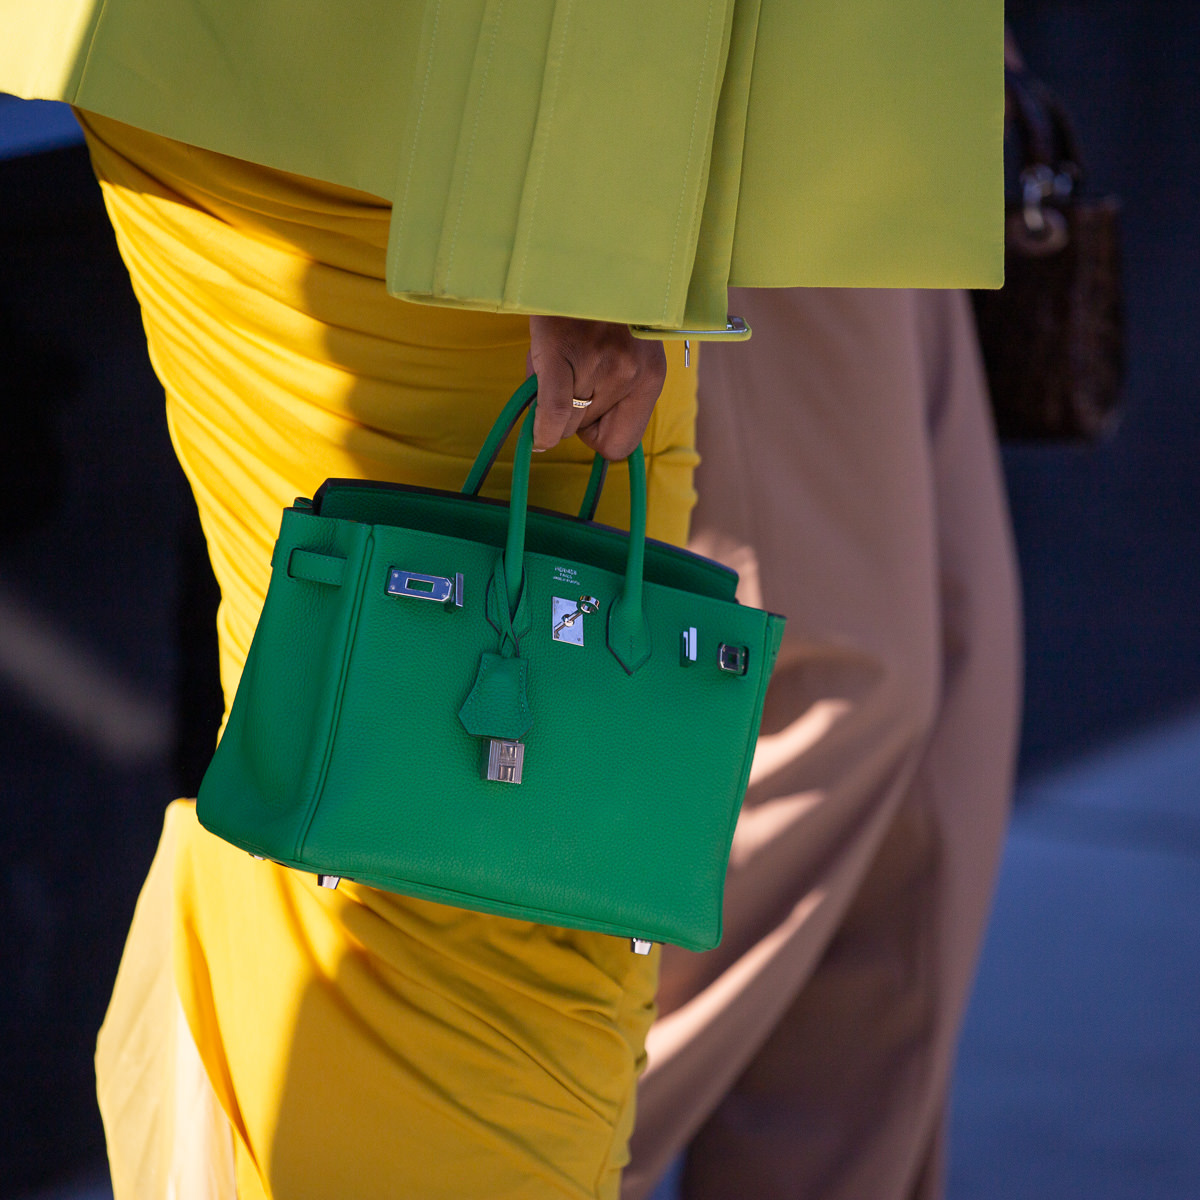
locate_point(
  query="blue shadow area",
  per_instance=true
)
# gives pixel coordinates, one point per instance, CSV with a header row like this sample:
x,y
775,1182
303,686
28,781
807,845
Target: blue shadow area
x,y
1109,537
31,126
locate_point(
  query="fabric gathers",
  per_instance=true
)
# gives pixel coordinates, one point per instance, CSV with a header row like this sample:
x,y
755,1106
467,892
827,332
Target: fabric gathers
x,y
437,1052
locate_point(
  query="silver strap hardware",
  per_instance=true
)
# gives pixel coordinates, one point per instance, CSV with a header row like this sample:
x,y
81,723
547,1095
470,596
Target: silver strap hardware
x,y
734,659
687,646
426,587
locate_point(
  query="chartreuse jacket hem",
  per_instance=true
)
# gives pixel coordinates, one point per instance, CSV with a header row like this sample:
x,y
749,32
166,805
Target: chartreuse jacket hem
x,y
617,160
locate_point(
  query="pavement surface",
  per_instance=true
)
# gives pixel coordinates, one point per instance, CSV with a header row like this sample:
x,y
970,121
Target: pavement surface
x,y
1079,1073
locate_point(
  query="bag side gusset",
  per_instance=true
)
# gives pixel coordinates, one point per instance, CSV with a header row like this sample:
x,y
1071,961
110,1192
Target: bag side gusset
x,y
302,637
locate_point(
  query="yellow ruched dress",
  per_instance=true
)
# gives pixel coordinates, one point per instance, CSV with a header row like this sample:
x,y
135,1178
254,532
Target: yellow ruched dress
x,y
268,1038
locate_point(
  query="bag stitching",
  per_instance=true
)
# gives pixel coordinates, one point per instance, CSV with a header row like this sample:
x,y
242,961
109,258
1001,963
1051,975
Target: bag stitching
x,y
335,717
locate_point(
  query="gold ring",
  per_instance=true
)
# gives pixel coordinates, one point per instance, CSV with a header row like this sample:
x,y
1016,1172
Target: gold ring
x,y
577,403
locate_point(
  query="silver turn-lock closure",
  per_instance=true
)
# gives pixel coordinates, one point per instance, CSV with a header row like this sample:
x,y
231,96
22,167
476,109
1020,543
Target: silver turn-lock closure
x,y
566,614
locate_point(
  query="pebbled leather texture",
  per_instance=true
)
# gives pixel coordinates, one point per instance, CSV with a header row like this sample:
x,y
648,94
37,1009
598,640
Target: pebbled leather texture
x,y
628,635
345,753
497,706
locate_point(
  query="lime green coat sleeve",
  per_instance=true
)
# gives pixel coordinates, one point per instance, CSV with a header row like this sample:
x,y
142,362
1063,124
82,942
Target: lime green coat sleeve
x,y
621,161
874,146
583,134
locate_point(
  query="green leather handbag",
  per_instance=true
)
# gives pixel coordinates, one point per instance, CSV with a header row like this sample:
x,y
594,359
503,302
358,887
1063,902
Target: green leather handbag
x,y
496,707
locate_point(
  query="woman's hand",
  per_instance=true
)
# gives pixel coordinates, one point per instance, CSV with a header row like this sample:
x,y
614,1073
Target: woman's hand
x,y
621,375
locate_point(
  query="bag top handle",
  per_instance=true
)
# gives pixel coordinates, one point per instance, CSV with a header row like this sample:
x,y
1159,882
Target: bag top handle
x,y
628,634
504,424
1045,132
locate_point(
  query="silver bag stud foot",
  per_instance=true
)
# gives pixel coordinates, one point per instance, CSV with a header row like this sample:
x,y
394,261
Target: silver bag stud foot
x,y
641,945
734,659
329,881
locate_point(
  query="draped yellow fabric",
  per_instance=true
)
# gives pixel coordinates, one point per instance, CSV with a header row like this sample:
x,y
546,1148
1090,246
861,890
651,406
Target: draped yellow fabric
x,y
621,161
357,1043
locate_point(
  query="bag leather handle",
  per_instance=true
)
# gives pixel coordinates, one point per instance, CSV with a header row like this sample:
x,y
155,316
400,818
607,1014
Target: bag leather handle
x,y
628,634
1045,132
505,423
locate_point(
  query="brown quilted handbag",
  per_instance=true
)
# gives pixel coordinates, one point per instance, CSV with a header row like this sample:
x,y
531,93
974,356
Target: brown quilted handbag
x,y
1053,336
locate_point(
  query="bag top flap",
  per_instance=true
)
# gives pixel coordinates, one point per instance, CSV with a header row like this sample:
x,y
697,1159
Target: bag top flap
x,y
481,519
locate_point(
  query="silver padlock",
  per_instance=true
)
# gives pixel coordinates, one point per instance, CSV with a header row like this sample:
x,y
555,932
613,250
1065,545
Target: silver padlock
x,y
505,760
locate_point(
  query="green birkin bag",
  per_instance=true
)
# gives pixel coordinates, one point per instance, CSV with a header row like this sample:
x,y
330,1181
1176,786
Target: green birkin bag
x,y
497,707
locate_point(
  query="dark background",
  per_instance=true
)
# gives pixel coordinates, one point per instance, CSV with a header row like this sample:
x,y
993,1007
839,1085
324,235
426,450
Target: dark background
x,y
94,542
101,572
1110,538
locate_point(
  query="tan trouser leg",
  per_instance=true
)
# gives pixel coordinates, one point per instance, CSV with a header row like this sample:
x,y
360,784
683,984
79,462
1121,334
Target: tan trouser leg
x,y
850,474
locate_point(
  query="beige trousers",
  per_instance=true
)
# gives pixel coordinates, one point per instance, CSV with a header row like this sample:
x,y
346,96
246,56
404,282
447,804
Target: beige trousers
x,y
850,474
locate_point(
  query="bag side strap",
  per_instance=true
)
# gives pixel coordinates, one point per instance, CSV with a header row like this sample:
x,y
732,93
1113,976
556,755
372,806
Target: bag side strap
x,y
314,567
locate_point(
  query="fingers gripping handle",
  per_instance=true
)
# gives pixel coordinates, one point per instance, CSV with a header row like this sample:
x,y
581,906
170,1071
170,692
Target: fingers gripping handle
x,y
510,414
